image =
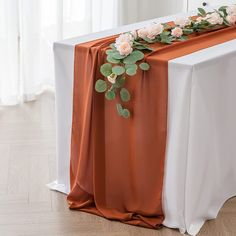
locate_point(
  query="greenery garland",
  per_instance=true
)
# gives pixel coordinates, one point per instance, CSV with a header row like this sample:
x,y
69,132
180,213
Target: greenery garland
x,y
125,56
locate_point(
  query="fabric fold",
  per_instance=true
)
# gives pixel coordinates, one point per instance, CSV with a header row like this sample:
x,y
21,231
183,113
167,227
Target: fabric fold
x,y
117,165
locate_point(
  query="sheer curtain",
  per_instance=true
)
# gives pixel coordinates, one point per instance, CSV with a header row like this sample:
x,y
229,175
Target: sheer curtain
x,y
28,29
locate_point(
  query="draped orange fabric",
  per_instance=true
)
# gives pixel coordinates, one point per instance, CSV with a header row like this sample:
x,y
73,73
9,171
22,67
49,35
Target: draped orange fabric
x,y
117,164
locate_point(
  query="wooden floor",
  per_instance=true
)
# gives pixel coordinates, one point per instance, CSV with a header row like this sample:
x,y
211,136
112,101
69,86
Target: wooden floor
x,y
28,163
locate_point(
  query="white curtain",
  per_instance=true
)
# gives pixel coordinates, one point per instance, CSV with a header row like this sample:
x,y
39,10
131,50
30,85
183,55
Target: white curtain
x,y
28,29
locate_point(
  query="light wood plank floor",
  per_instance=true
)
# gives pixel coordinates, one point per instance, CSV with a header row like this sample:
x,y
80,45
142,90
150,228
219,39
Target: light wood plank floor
x,y
28,163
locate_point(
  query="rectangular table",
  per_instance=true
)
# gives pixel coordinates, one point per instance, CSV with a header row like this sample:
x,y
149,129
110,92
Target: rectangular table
x,y
200,170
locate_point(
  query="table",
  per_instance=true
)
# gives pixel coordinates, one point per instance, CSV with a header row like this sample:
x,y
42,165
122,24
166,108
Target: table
x,y
200,170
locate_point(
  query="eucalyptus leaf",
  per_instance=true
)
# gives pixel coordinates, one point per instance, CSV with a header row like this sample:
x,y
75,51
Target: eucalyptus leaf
x,y
112,60
119,109
222,8
131,71
183,38
110,95
135,56
101,86
117,55
166,40
106,69
140,47
202,11
165,33
187,31
143,47
112,45
118,70
149,40
124,95
110,51
120,81
133,66
138,55
126,113
144,66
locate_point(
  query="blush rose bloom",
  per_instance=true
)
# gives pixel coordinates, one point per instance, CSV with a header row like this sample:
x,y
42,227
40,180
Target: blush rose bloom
x,y
142,33
177,32
214,18
199,19
125,49
124,44
231,10
182,22
231,19
124,38
112,78
154,30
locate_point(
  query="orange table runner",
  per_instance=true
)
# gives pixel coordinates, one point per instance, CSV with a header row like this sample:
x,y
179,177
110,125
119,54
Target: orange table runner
x,y
117,164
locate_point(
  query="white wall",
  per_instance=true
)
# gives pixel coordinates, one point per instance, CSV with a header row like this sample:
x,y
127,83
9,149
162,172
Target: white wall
x,y
131,11
139,10
194,4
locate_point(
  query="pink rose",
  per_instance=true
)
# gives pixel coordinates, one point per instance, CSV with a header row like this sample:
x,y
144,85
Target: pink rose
x,y
199,19
154,30
214,19
142,33
125,48
177,32
182,22
124,44
231,19
127,37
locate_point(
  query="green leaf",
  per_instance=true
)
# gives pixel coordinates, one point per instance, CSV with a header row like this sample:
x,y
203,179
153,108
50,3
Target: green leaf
x,y
140,47
106,69
110,95
134,66
134,57
126,113
144,66
187,31
131,69
120,81
165,33
124,95
183,38
118,70
166,38
117,55
122,112
222,8
112,60
119,109
100,86
138,55
112,45
110,51
149,40
143,47
202,11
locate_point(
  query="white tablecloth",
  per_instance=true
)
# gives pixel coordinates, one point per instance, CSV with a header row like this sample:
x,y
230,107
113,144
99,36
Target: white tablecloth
x,y
200,170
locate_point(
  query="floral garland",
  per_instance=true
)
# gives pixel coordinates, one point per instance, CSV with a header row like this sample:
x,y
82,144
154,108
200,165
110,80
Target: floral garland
x,y
125,56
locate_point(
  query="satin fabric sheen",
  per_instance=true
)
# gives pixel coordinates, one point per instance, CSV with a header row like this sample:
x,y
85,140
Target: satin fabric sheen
x,y
117,164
